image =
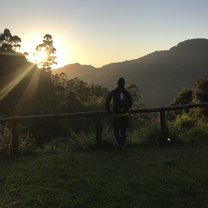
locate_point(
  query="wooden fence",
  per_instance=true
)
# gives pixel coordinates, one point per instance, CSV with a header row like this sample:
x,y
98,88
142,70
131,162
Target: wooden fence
x,y
98,120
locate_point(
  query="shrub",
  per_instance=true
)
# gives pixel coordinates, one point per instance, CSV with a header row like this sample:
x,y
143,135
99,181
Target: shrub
x,y
5,139
145,136
183,122
27,143
81,141
74,142
108,139
195,135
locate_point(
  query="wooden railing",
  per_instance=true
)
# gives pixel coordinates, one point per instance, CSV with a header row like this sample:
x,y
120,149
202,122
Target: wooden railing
x,y
98,120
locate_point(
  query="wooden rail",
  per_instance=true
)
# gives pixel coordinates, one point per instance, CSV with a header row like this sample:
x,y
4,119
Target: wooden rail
x,y
98,120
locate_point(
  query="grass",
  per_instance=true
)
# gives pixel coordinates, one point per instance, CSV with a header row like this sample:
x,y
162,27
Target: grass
x,y
141,177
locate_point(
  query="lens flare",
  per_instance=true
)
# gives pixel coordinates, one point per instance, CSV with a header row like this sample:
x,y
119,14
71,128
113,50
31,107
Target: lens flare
x,y
14,80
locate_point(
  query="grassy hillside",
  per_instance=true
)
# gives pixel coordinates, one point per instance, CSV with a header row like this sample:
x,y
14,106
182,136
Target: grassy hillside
x,y
146,177
159,75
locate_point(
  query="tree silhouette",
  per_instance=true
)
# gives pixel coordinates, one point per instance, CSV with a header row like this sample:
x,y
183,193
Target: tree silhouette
x,y
185,96
49,51
8,42
136,95
200,92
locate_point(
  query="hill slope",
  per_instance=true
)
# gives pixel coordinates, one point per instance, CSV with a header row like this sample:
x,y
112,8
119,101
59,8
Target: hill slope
x,y
159,75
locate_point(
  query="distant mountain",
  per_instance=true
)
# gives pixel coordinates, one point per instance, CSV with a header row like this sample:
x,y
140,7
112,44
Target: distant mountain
x,y
159,75
76,70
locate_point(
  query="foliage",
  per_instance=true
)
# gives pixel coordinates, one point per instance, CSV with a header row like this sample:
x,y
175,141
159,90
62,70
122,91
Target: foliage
x,y
185,96
73,142
143,137
8,42
183,122
59,98
5,139
77,95
201,90
197,135
198,94
47,50
190,125
136,95
190,131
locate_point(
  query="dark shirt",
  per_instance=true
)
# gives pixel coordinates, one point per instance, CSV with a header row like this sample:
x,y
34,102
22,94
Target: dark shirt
x,y
122,100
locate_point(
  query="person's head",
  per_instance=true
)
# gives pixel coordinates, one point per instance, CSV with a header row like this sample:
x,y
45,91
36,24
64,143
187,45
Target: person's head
x,y
121,82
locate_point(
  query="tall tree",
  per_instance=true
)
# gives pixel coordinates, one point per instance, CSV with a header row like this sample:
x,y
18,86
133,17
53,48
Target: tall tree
x,y
136,95
45,53
185,96
200,92
8,42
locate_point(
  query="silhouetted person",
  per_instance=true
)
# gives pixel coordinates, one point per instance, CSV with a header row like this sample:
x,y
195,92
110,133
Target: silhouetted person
x,y
122,102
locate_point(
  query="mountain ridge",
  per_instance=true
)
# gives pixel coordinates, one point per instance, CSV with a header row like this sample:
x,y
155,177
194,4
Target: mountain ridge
x,y
159,75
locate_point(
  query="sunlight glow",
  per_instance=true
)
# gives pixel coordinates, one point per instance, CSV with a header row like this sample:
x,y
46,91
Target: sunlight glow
x,y
62,54
39,57
32,87
14,80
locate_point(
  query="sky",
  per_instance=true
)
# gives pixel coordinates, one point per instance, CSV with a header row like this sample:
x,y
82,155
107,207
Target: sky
x,y
99,32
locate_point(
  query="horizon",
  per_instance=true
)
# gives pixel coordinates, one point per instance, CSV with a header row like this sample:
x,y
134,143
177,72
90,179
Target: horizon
x,y
96,33
121,61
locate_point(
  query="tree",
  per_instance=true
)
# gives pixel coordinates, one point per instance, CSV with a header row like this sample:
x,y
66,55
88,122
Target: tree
x,y
185,96
8,42
200,95
45,53
200,92
136,95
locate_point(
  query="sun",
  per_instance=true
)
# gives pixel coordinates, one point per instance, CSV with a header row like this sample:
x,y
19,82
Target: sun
x,y
62,54
40,56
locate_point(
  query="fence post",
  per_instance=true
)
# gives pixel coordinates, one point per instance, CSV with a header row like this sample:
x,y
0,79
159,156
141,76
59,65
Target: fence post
x,y
98,129
163,126
15,141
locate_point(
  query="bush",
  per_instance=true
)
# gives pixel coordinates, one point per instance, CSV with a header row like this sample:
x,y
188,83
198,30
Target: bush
x,y
74,142
183,122
5,139
108,139
195,135
145,136
27,143
82,141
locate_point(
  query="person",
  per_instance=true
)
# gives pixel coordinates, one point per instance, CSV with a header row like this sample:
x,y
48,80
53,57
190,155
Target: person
x,y
122,102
